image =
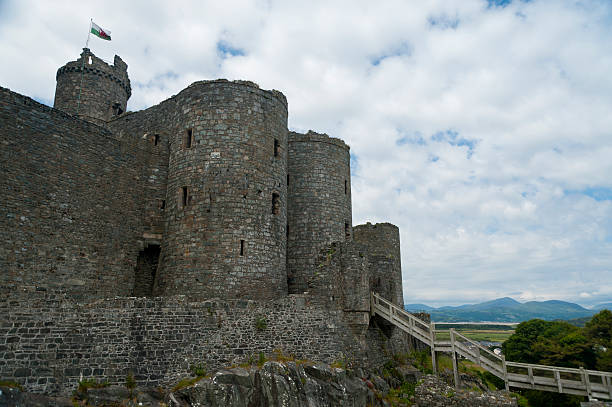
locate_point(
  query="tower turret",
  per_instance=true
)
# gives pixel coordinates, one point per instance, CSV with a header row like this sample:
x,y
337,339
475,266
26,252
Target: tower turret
x,y
319,209
226,209
93,89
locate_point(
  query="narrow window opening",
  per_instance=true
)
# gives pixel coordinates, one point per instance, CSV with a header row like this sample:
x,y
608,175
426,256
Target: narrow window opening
x,y
287,230
345,187
287,179
162,204
145,271
188,138
117,110
347,231
184,196
155,139
276,148
242,247
275,204
89,60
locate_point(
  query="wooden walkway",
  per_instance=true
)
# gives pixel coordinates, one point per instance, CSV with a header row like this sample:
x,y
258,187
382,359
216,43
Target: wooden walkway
x,y
591,383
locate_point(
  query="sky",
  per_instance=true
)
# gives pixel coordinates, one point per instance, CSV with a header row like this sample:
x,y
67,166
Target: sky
x,y
483,129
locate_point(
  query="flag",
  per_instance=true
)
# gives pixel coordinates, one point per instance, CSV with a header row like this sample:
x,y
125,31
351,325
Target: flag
x,y
100,32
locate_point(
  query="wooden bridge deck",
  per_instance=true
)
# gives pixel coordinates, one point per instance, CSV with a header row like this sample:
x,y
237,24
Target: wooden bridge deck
x,y
592,383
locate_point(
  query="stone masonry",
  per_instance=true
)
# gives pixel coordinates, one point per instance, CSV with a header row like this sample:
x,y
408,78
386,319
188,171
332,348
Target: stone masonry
x,y
199,230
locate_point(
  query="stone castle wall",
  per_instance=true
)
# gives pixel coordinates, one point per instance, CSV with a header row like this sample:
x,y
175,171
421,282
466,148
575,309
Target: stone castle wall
x,y
226,196
72,204
319,210
51,343
382,242
93,89
202,196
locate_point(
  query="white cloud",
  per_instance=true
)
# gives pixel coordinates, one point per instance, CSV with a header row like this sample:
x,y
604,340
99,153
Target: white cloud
x,y
484,133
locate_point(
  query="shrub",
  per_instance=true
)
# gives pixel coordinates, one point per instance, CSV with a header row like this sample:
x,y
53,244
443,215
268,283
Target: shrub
x,y
130,382
261,324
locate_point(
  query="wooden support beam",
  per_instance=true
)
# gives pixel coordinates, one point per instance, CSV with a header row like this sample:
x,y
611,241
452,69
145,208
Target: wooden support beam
x,y
505,372
558,380
454,357
432,338
584,376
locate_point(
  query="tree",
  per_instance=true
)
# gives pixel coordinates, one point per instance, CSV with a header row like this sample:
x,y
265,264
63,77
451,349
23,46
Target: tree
x,y
599,332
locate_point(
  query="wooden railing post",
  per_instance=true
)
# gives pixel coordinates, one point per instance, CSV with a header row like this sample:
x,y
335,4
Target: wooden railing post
x,y
505,371
432,338
531,379
454,357
558,380
585,379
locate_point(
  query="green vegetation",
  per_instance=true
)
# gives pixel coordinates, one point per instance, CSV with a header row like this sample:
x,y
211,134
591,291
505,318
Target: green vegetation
x,y
86,384
401,395
11,384
560,343
187,382
198,370
261,324
478,335
262,359
130,382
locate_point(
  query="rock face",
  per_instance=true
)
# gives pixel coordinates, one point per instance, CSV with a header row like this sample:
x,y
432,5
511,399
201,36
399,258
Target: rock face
x,y
278,384
433,392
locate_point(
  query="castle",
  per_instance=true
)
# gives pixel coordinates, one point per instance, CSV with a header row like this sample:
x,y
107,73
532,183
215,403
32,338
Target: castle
x,y
197,230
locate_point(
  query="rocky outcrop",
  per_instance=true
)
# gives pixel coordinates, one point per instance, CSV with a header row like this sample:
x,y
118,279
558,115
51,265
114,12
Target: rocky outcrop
x,y
434,392
279,384
14,397
286,384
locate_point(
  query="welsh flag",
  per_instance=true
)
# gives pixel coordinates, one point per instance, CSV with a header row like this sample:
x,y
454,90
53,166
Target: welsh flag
x,y
100,32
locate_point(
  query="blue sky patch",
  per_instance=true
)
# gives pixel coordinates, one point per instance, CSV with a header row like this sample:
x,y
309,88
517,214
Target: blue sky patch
x,y
498,3
414,139
403,48
227,50
443,22
354,164
597,193
452,137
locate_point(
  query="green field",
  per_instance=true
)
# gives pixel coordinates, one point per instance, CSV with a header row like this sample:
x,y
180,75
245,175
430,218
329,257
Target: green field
x,y
492,335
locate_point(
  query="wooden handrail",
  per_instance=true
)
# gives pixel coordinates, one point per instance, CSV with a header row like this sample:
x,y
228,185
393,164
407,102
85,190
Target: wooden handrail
x,y
497,365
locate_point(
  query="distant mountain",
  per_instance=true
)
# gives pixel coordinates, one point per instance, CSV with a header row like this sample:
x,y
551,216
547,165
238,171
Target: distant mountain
x,y
417,307
599,307
504,310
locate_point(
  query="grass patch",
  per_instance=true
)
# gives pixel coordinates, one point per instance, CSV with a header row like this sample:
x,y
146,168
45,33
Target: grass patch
x,y
478,335
186,382
11,384
86,384
198,370
261,324
401,396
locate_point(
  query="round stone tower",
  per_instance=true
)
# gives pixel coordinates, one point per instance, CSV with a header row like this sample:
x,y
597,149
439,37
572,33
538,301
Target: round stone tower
x,y
226,201
383,242
92,89
319,210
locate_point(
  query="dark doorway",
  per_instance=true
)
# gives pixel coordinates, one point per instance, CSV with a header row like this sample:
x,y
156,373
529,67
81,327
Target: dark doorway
x,y
146,268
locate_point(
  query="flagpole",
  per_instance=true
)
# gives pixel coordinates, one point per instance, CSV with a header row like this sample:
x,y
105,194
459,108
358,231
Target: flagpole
x,y
83,68
89,33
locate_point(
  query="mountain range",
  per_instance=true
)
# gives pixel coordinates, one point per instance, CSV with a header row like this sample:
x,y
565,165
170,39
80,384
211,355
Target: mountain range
x,y
507,310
